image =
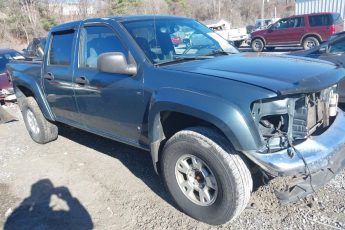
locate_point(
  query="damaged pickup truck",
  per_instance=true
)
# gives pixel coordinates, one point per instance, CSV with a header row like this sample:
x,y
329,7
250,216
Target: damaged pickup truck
x,y
207,113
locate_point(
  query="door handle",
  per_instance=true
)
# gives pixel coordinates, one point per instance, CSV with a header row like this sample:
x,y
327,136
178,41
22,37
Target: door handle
x,y
81,81
49,76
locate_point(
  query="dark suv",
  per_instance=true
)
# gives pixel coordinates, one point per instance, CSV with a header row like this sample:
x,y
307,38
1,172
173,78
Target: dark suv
x,y
300,30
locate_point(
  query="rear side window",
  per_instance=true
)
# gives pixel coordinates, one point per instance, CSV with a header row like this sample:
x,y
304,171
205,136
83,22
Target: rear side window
x,y
61,48
96,40
337,19
320,20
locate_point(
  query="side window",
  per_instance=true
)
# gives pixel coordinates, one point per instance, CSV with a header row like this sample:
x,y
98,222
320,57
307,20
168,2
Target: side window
x,y
320,20
296,22
282,24
337,19
338,47
60,48
94,41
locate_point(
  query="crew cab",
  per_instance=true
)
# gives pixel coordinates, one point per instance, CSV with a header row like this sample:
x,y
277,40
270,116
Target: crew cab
x,y
307,30
208,114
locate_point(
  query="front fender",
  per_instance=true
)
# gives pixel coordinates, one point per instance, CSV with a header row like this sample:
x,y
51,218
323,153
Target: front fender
x,y
226,116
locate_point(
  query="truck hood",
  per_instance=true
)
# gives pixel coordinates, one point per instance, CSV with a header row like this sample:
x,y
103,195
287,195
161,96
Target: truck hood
x,y
278,73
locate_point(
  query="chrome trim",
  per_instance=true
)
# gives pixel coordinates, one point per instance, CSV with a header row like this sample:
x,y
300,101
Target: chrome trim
x,y
318,152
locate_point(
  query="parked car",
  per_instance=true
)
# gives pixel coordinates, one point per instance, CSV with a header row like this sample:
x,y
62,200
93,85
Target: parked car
x,y
35,49
208,114
222,27
301,30
6,89
332,50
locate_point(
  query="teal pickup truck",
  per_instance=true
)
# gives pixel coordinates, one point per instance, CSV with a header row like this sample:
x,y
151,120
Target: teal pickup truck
x,y
208,114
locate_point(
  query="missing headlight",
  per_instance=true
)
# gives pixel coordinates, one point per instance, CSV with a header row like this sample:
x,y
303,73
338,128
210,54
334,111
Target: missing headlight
x,y
274,130
292,120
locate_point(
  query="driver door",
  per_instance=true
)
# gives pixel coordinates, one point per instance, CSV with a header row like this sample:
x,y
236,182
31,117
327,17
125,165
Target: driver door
x,y
110,104
275,34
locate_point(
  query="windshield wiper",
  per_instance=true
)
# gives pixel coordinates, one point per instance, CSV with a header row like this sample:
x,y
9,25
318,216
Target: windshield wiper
x,y
217,52
178,59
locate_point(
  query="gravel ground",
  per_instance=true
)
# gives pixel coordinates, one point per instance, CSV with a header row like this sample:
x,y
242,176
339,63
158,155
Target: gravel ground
x,y
84,181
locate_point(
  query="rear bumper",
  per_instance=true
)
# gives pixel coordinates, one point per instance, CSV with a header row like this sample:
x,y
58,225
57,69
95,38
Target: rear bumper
x,y
326,151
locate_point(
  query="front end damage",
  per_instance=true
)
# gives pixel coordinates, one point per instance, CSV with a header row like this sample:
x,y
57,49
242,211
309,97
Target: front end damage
x,y
303,136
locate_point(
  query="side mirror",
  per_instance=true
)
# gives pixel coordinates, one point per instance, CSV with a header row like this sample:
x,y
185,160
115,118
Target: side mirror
x,y
115,62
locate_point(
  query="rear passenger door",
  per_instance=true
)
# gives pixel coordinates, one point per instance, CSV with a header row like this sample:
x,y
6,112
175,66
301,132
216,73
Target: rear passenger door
x,y
57,76
110,104
296,30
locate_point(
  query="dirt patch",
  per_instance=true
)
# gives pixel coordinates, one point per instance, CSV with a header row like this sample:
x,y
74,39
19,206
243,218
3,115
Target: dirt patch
x,y
108,185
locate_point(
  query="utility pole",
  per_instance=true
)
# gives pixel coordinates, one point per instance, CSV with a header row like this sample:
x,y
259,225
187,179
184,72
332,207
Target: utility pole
x,y
263,12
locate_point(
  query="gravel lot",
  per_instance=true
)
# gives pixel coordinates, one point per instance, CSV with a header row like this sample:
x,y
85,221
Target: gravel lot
x,y
82,181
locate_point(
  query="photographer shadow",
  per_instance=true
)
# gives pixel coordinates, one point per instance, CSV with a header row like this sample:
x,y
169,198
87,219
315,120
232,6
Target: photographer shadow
x,y
49,207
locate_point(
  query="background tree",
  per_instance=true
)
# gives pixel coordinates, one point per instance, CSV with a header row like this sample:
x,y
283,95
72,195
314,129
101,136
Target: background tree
x,y
21,20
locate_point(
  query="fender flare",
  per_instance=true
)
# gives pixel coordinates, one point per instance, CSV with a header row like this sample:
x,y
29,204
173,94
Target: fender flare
x,y
260,37
311,35
227,117
29,83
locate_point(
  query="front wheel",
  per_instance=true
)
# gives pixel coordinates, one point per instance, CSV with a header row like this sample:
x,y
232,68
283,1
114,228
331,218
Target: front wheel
x,y
206,178
257,45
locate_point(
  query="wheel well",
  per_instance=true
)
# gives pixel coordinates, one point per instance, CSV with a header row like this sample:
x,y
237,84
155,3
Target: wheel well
x,y
263,41
25,91
311,35
173,122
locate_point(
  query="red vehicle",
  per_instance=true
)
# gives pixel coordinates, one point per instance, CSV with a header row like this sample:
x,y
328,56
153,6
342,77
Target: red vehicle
x,y
307,30
6,55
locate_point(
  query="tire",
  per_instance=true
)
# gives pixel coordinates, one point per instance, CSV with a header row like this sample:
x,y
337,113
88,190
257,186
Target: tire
x,y
230,177
40,129
270,48
257,45
310,42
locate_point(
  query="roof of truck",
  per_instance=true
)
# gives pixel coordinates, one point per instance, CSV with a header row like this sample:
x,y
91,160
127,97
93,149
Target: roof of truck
x,y
74,24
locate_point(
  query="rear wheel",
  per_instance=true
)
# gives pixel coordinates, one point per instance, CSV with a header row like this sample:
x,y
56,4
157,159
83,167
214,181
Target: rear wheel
x,y
310,42
40,129
207,179
257,45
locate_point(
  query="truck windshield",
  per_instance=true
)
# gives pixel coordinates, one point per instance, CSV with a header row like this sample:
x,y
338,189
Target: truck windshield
x,y
170,40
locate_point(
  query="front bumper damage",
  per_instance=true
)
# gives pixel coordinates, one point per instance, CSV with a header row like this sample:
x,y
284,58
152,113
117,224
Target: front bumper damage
x,y
313,162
